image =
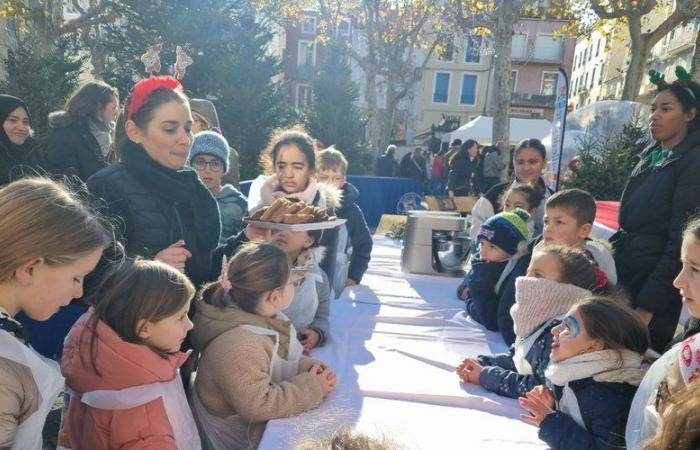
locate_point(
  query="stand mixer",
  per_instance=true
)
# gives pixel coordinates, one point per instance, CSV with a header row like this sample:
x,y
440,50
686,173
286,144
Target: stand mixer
x,y
435,243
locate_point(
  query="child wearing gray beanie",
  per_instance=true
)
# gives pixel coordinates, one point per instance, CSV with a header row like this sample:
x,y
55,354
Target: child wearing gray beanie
x,y
210,158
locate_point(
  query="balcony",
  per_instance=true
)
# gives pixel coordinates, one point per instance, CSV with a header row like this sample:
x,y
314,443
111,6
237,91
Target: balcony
x,y
302,73
544,54
532,100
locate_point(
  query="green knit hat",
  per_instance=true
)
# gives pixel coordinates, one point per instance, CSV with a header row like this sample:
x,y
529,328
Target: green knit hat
x,y
506,229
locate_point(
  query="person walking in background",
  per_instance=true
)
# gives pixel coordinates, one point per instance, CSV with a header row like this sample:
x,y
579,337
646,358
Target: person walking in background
x,y
413,165
437,171
205,118
18,151
493,165
386,164
462,167
82,134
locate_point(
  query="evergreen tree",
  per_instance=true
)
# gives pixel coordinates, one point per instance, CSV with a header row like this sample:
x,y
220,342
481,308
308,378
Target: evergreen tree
x,y
43,77
334,117
232,66
604,169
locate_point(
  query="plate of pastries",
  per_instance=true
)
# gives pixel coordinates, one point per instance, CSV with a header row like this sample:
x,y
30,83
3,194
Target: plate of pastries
x,y
292,214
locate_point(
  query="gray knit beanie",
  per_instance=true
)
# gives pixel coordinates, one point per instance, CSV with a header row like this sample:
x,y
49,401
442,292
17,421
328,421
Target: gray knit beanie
x,y
210,143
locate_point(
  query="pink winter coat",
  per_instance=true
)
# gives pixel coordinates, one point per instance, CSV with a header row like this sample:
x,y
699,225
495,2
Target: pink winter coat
x,y
122,365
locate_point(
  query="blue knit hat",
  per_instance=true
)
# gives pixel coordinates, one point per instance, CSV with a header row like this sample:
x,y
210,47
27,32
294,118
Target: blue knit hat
x,y
210,143
506,230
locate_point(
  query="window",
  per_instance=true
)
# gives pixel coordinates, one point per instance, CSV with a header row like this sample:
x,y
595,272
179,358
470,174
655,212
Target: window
x,y
303,100
585,55
472,51
585,81
590,52
597,50
548,47
549,83
602,71
344,28
447,54
519,49
442,87
513,80
307,54
308,25
593,78
468,96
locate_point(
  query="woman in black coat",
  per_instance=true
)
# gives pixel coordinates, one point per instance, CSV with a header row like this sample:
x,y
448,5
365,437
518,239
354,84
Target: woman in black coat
x,y
162,209
18,151
463,166
81,136
661,193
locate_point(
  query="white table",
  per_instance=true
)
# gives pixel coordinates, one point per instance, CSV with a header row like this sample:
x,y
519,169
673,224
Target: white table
x,y
394,343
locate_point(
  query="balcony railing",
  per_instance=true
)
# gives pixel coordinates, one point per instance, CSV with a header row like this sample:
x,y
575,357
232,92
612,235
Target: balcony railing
x,y
524,99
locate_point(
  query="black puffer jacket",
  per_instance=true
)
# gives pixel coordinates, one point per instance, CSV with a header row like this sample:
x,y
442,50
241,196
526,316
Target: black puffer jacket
x,y
154,207
19,161
72,148
656,203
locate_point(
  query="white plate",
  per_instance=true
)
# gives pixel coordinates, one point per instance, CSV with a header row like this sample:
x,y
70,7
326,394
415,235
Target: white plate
x,y
297,226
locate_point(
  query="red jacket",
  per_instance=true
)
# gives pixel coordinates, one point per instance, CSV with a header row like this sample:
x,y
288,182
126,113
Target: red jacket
x,y
122,365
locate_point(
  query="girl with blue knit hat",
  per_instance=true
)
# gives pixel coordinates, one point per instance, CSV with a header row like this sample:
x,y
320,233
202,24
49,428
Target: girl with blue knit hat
x,y
500,238
210,158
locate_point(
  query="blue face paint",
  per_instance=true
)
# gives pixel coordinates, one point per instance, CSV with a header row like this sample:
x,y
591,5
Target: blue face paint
x,y
570,328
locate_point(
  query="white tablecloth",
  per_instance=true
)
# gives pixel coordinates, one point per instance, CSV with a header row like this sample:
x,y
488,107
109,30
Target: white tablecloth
x,y
394,343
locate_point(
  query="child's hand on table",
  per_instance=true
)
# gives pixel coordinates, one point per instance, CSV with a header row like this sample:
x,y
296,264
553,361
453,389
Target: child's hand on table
x,y
469,371
539,402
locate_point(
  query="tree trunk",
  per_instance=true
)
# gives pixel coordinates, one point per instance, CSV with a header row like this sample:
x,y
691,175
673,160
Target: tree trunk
x,y
695,66
373,109
506,19
639,50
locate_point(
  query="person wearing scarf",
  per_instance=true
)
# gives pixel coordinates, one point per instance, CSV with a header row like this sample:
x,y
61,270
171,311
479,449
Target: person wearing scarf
x,y
18,154
160,209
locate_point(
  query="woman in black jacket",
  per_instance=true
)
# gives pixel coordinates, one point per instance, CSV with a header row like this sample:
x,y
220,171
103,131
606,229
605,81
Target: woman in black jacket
x,y
18,151
82,135
661,193
462,169
163,210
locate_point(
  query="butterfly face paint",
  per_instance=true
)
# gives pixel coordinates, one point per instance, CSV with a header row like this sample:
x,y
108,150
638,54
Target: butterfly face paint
x,y
570,328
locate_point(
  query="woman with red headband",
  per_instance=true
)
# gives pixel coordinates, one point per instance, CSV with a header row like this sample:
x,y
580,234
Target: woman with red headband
x,y
661,193
162,209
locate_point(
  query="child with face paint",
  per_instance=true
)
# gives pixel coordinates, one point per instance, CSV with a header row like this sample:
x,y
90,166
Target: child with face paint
x,y
595,368
557,278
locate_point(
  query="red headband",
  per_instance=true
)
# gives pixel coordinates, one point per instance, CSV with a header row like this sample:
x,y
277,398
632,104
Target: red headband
x,y
144,88
602,279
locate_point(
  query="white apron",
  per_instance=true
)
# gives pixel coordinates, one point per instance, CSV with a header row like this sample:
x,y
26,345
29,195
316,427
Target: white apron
x,y
522,348
342,262
174,401
568,404
643,418
230,433
49,383
302,310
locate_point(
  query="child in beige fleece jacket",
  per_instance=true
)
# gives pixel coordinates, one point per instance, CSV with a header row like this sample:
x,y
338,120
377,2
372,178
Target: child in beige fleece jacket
x,y
252,369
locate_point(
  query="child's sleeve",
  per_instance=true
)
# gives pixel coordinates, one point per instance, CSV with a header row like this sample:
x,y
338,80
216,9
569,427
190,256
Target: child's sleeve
x,y
361,242
247,388
505,382
320,323
482,304
503,360
605,419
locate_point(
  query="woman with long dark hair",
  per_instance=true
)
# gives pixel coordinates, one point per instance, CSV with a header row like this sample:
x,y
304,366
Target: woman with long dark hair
x,y
463,166
82,134
661,193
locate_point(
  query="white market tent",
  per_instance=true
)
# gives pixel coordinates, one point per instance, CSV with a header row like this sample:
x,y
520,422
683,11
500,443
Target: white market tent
x,y
481,127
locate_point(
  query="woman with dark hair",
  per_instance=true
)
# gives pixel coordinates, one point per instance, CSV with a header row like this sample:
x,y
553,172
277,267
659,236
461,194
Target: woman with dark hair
x,y
661,193
163,210
18,154
529,160
82,134
463,166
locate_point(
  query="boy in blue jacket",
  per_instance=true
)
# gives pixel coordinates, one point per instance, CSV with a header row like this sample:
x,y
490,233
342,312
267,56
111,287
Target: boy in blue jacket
x,y
355,240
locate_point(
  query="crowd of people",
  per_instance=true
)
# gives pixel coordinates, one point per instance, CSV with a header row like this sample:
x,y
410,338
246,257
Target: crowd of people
x,y
191,329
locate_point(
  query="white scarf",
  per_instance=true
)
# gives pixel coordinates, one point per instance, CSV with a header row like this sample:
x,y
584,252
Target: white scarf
x,y
538,300
271,191
613,366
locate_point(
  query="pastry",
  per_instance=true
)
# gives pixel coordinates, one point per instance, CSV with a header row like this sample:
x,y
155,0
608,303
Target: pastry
x,y
297,218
